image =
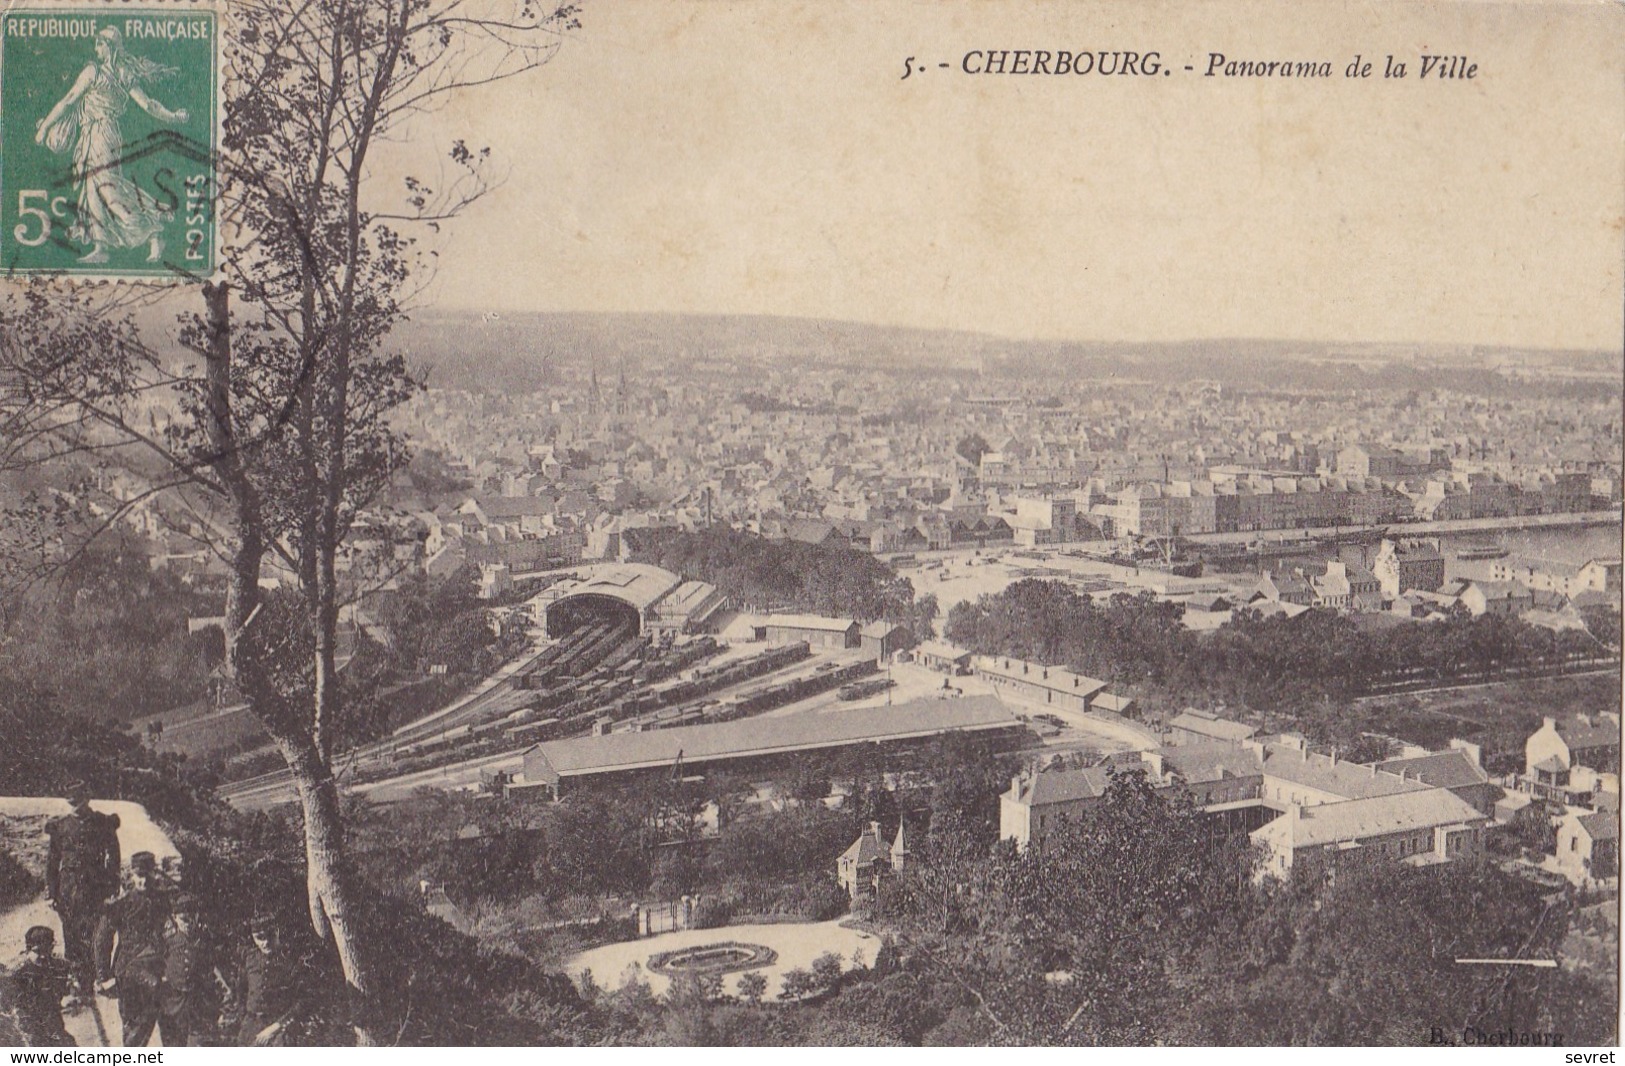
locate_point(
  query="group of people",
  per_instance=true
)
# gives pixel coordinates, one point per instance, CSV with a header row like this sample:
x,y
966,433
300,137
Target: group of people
x,y
140,942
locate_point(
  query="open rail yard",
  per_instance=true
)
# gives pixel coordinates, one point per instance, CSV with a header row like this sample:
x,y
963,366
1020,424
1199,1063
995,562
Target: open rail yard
x,y
602,668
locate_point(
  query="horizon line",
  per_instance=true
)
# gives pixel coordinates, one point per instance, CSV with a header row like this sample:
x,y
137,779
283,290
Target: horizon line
x,y
1010,338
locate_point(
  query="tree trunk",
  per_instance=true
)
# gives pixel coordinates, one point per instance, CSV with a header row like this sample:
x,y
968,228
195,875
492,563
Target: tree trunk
x,y
328,884
329,893
242,587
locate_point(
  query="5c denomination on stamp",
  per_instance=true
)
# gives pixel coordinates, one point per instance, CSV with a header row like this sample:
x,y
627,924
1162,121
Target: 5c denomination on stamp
x,y
108,143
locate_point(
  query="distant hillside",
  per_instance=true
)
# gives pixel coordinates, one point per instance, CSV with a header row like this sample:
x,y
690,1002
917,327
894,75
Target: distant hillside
x,y
521,351
518,352
512,350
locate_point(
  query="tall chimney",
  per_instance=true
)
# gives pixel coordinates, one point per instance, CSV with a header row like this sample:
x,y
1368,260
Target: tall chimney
x,y
874,827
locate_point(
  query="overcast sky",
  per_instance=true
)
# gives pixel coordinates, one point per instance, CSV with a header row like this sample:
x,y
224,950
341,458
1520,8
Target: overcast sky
x,y
766,158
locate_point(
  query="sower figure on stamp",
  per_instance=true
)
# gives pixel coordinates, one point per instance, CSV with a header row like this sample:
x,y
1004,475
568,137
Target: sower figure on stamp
x,y
130,951
81,874
37,989
113,211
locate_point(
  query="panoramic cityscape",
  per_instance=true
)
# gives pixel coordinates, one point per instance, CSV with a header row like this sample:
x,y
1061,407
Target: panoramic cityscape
x,y
755,650
685,677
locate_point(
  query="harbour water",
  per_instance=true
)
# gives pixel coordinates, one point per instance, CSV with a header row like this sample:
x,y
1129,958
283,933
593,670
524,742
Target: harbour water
x,y
1569,544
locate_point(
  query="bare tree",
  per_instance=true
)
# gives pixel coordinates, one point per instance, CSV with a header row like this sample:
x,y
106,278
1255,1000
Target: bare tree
x,y
276,434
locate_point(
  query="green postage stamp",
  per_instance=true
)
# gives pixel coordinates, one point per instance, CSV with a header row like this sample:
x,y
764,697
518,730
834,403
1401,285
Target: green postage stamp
x,y
108,120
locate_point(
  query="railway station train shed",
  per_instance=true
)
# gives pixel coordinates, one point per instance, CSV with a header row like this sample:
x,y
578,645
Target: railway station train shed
x,y
636,595
559,766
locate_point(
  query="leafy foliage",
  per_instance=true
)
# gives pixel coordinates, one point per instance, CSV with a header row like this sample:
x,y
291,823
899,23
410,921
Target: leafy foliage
x,y
46,749
761,574
1140,925
1074,944
109,638
1265,662
1371,959
17,883
972,447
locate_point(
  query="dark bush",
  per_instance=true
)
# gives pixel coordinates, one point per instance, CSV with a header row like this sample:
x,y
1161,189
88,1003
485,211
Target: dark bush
x,y
713,913
17,884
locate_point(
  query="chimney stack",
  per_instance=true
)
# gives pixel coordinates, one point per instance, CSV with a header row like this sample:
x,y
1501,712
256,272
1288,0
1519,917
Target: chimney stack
x,y
874,827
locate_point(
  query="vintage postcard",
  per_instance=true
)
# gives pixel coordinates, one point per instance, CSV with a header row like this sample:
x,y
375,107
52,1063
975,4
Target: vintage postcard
x,y
738,523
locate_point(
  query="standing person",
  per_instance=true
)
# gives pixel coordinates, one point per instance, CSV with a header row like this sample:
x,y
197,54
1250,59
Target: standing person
x,y
283,996
81,874
130,950
37,990
189,999
268,992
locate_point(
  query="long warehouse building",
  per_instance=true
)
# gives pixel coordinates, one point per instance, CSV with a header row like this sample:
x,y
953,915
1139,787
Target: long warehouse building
x,y
560,765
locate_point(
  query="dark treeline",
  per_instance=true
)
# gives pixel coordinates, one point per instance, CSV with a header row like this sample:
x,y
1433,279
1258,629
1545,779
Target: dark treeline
x,y
786,575
1142,927
550,862
432,622
108,636
1265,662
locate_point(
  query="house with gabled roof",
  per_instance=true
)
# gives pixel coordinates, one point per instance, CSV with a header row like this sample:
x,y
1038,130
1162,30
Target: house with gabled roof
x,y
1540,574
1284,586
1038,683
881,639
1588,846
815,531
1496,597
1559,745
1421,827
1040,802
870,860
